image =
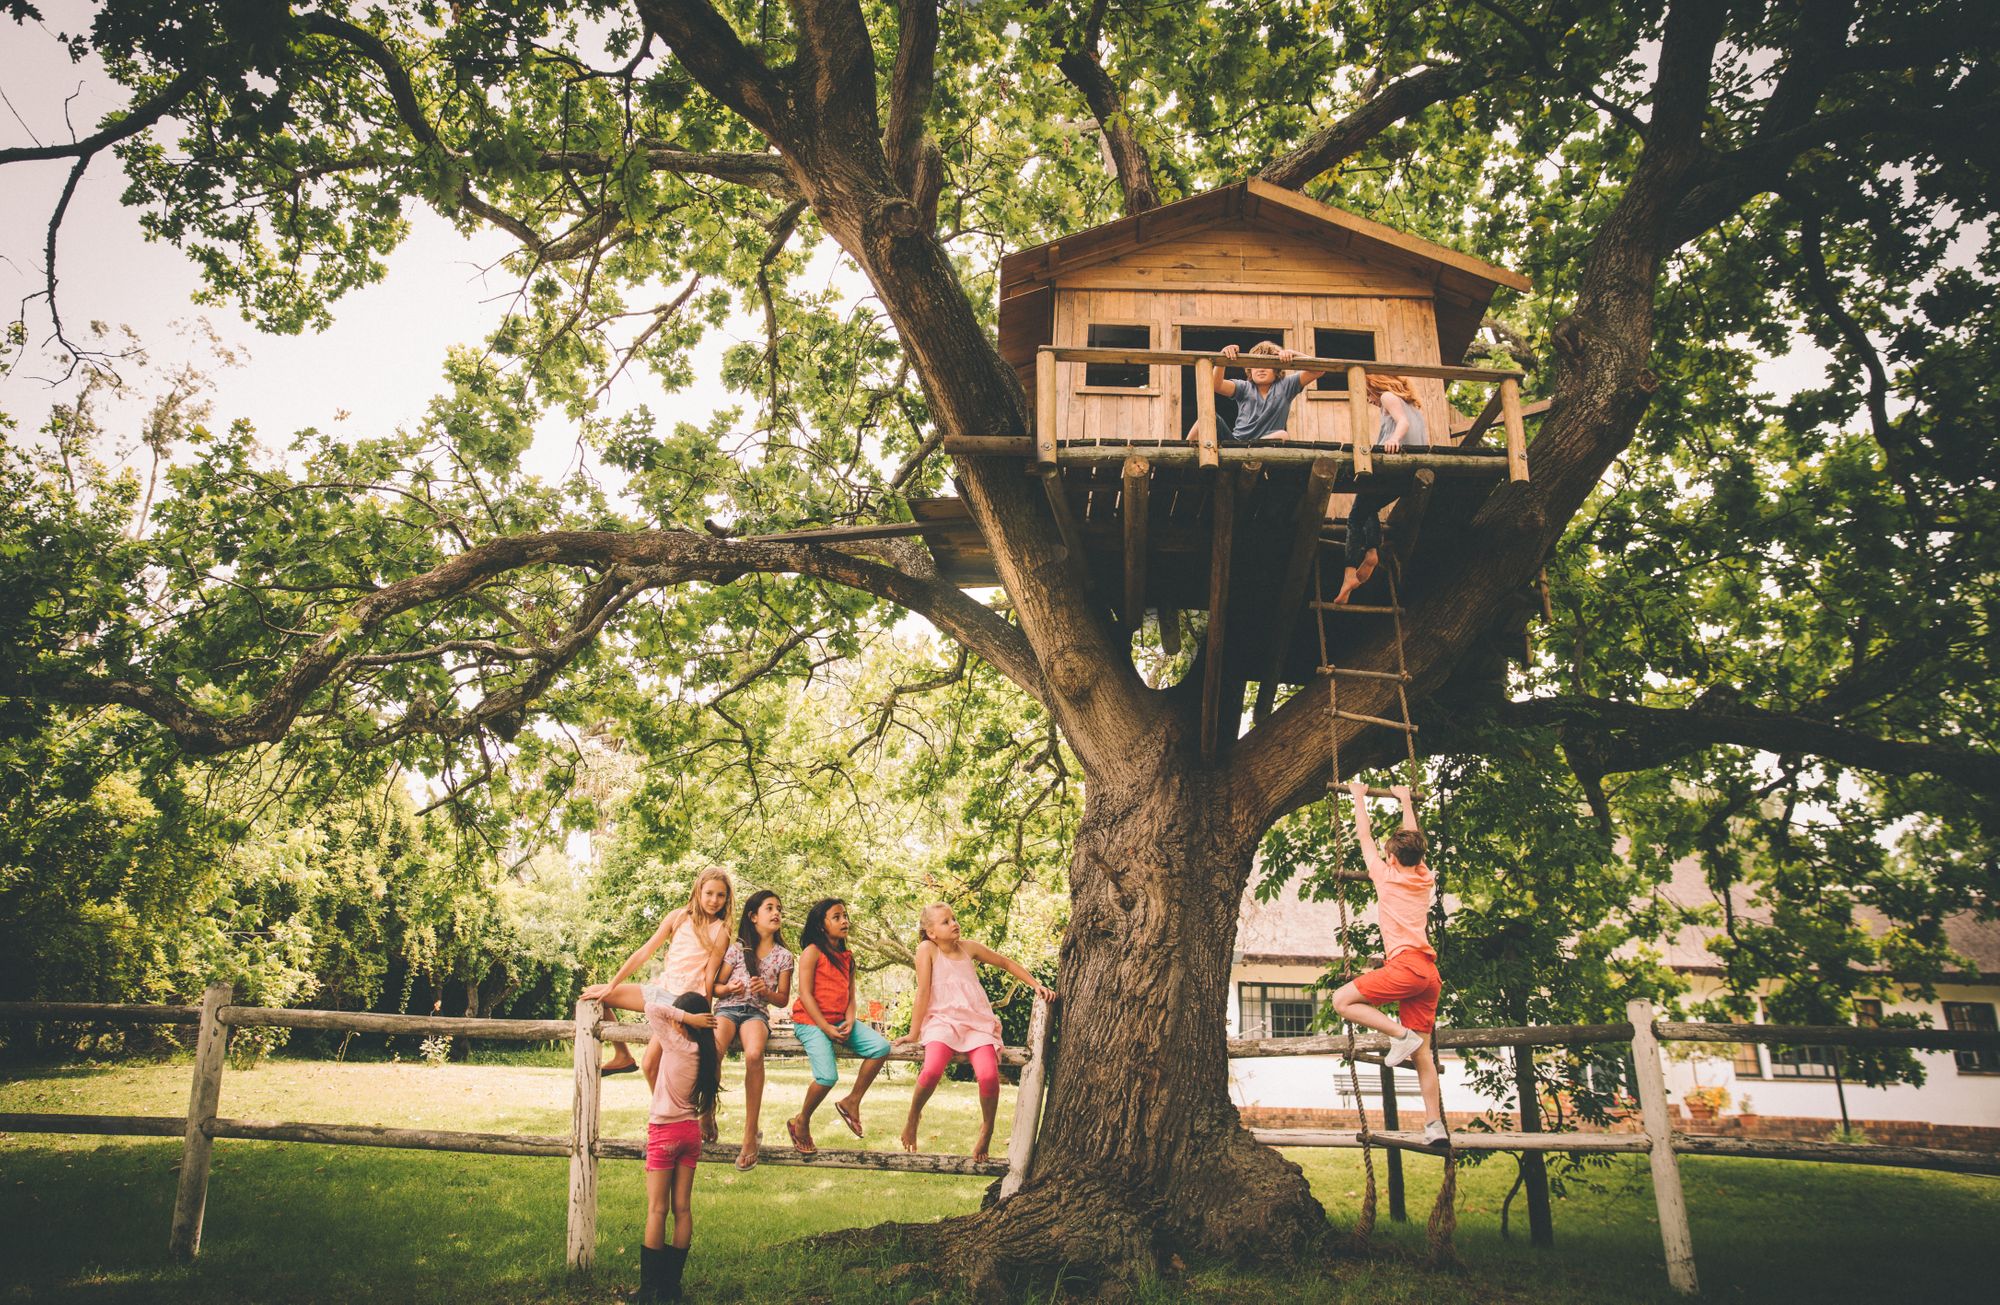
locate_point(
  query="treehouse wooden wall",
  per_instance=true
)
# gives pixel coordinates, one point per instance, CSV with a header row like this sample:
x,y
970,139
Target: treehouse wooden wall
x,y
1252,276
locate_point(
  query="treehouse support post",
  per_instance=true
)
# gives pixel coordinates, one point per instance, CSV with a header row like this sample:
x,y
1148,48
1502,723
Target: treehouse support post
x,y
1517,434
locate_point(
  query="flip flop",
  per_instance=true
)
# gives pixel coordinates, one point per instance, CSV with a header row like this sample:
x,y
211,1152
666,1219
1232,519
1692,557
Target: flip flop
x,y
755,1156
853,1124
622,1069
792,1127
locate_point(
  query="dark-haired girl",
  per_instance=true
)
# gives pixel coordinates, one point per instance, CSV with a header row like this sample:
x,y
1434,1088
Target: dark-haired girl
x,y
683,1092
756,975
823,1017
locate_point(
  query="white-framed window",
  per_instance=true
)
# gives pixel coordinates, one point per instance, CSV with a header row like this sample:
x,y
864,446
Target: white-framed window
x,y
1277,1010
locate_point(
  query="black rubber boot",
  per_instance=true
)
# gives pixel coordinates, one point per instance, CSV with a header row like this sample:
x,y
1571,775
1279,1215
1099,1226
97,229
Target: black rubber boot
x,y
652,1275
676,1264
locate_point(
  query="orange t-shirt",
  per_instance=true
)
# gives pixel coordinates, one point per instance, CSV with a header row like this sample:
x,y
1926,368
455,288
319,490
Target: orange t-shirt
x,y
1403,897
833,988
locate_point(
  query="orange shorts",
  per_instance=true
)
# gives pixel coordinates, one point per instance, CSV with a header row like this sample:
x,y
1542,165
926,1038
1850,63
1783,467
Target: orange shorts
x,y
1409,978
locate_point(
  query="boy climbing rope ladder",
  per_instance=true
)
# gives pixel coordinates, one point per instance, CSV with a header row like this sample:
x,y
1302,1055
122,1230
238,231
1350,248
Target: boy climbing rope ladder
x,y
1404,887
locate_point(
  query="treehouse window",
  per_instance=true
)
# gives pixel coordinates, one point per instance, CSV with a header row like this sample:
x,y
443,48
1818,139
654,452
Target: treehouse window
x,y
1340,342
1276,1010
1196,338
1973,1017
1117,376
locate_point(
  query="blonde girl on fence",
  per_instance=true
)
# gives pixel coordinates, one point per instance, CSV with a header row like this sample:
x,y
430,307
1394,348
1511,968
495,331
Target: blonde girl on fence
x,y
756,975
687,1081
824,1018
952,1017
696,936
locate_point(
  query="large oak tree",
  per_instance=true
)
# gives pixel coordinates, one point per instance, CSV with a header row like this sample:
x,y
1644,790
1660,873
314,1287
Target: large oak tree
x,y
1674,176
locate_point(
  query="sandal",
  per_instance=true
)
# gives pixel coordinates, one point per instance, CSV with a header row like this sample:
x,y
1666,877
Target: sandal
x,y
848,1118
755,1153
803,1148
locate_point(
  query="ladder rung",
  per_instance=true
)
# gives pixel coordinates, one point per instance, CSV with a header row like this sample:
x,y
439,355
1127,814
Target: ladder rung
x,y
1376,720
1364,675
1416,794
1362,608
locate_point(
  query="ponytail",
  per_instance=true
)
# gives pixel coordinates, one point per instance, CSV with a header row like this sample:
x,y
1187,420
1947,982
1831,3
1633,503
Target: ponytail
x,y
708,1063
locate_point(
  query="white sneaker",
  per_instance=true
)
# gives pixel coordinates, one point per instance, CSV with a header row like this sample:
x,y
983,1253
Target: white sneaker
x,y
1403,1047
1437,1134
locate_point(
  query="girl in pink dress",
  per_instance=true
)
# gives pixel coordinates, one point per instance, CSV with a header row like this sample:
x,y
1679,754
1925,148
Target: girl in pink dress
x,y
953,1017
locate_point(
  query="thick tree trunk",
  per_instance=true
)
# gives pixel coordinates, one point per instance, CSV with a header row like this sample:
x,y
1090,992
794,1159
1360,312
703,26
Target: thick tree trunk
x,y
1141,1156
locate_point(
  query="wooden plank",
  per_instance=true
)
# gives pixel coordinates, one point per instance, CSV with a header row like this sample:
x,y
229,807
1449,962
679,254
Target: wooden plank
x,y
98,1012
1517,433
1338,1044
1479,268
1840,1153
1445,462
1046,404
1361,421
586,1100
1298,571
1383,721
1358,609
409,1139
1667,1194
1186,358
1828,1035
191,1190
1028,1103
1581,1143
354,1021
1138,482
97,1125
1204,413
922,1162
1220,554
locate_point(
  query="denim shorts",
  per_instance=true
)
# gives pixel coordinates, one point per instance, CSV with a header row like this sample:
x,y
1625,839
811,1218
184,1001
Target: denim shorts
x,y
742,1013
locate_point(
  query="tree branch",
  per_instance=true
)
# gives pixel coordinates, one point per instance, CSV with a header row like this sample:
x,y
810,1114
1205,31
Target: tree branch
x,y
136,119
704,41
1338,141
1630,736
910,90
656,557
1080,64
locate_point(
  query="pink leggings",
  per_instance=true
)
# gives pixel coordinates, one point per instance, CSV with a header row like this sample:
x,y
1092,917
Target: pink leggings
x,y
985,1067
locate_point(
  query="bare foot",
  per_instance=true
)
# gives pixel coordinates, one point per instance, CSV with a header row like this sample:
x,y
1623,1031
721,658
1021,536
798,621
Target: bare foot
x,y
910,1138
985,1144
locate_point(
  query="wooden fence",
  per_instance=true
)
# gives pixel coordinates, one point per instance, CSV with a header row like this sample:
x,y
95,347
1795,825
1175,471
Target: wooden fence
x,y
584,1145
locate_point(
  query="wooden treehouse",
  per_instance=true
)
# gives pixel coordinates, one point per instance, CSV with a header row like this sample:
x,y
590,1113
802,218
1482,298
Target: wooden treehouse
x,y
1115,332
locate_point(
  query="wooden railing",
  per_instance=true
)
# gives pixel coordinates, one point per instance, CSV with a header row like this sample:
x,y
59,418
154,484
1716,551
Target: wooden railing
x,y
1657,1139
583,1144
1504,405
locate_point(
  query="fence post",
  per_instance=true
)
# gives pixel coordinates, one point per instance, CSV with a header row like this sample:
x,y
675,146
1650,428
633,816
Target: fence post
x,y
583,1128
1391,1122
191,1196
1652,1085
1027,1103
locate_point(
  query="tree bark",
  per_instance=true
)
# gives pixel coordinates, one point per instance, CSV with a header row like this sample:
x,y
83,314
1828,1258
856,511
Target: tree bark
x,y
1142,1156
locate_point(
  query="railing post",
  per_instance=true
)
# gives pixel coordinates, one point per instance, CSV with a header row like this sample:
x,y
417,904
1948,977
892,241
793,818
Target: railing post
x,y
1517,434
1652,1086
1390,1123
1364,423
1045,409
1204,414
1028,1097
191,1195
583,1129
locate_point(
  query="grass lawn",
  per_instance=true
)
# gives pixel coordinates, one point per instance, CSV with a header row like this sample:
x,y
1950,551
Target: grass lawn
x,y
84,1218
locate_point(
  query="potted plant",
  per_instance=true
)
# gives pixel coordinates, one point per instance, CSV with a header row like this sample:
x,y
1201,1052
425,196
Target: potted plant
x,y
1704,1103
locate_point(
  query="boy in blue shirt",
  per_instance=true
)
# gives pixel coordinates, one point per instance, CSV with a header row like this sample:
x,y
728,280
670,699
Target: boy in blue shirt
x,y
1264,401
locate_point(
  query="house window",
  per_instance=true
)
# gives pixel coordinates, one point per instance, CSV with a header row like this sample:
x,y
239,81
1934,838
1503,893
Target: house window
x,y
1276,1010
1333,342
1973,1017
1117,376
1802,1062
1867,1013
1746,1062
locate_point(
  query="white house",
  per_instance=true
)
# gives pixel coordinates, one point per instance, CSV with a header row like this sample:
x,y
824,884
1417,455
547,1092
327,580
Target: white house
x,y
1285,944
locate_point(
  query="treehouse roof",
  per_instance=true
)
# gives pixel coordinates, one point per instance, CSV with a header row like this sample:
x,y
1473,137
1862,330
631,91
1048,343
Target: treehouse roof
x,y
1463,285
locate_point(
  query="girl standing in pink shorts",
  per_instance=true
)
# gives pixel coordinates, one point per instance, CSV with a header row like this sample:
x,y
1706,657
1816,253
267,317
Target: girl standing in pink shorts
x,y
684,1091
953,1017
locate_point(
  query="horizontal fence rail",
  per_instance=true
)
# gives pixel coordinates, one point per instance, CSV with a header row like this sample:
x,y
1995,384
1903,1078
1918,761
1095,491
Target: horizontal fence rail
x,y
584,1147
